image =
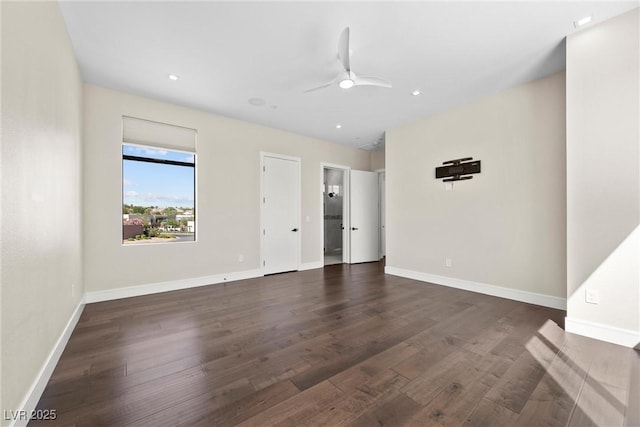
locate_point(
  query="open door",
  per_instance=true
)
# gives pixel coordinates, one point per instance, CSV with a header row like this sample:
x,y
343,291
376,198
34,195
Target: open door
x,y
365,231
383,217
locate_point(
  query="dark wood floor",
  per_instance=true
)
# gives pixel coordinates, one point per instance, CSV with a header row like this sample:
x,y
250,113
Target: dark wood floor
x,y
345,345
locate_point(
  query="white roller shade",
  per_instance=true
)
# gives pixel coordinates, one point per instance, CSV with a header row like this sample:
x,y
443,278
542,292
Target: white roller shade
x,y
146,132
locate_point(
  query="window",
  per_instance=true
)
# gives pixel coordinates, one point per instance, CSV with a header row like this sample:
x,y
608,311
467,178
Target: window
x,y
158,188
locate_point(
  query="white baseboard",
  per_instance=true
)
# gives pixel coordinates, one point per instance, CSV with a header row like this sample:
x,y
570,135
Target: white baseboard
x,y
174,285
513,294
34,393
598,331
311,265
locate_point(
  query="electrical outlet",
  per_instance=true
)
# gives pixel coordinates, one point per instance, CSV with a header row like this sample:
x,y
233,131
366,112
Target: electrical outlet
x,y
241,258
447,262
591,296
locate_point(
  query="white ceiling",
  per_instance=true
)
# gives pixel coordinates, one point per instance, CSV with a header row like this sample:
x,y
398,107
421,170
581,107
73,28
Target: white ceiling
x,y
229,52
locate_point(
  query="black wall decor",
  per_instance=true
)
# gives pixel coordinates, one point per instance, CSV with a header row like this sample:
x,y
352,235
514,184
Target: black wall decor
x,y
458,167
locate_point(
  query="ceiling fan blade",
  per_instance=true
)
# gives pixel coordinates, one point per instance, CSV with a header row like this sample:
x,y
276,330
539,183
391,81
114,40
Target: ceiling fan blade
x,y
320,87
371,81
343,49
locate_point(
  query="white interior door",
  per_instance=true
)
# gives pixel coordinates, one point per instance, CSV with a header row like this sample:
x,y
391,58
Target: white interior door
x,y
280,214
365,233
383,219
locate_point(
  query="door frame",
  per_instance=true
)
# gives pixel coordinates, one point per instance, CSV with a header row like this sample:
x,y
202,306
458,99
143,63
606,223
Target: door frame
x,y
381,212
298,161
346,206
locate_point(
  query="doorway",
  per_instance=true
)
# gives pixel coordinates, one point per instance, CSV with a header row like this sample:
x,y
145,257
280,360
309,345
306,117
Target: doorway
x,y
335,208
280,213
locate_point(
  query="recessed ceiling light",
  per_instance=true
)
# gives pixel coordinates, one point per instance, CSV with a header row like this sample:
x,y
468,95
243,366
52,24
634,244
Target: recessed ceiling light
x,y
415,93
581,22
338,126
257,102
173,77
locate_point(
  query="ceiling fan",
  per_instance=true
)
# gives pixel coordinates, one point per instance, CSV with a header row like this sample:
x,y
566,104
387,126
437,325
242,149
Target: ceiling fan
x,y
347,78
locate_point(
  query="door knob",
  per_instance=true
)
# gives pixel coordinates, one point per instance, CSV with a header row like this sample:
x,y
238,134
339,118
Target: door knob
x,y
354,228
295,229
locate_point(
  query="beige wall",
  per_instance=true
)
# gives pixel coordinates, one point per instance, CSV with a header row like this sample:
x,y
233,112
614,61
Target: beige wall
x,y
228,195
603,173
41,270
377,159
506,226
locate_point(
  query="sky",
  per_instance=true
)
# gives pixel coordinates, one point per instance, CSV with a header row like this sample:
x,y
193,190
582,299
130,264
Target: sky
x,y
151,184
